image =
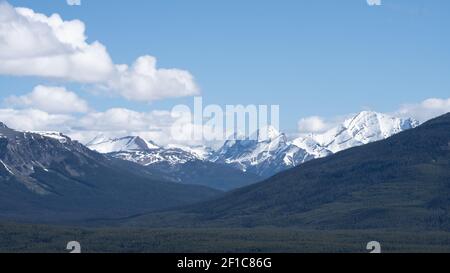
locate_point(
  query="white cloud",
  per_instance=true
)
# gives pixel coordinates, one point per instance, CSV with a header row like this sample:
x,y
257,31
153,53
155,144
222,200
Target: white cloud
x,y
33,44
54,100
113,123
318,125
118,119
425,110
116,122
74,2
35,120
313,124
144,82
374,2
157,126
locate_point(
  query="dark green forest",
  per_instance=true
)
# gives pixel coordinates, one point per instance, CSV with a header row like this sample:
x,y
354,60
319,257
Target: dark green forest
x,y
52,239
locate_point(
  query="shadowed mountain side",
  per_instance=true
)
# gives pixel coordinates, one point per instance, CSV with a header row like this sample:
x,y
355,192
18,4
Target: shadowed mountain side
x,y
402,182
47,177
208,174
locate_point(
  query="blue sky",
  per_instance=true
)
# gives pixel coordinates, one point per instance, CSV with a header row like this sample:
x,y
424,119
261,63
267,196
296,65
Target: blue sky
x,y
324,58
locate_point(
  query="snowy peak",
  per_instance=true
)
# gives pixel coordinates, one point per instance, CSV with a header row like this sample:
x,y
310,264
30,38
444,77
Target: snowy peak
x,y
3,126
369,126
257,155
311,146
363,128
138,150
268,133
124,144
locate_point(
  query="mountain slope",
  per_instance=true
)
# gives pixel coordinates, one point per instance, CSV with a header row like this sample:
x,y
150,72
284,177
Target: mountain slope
x,y
49,177
198,172
402,182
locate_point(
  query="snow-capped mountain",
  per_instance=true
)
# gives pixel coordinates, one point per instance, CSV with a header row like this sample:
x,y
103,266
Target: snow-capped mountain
x,y
255,155
275,153
265,154
269,153
364,128
138,150
125,144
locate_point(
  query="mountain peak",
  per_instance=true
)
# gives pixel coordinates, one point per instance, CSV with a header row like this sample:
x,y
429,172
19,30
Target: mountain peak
x,y
3,126
372,116
105,145
369,113
363,128
364,117
268,133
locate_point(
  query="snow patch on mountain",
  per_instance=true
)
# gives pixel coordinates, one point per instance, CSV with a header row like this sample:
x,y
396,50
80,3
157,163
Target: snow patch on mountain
x,y
170,157
54,135
125,144
201,152
6,167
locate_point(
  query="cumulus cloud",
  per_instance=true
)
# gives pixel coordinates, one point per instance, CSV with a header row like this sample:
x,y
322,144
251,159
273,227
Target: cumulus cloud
x,y
144,82
425,110
313,124
157,126
118,119
35,120
74,2
119,122
53,100
33,44
318,125
374,2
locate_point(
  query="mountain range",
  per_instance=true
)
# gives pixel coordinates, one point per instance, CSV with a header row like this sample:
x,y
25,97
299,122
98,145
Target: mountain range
x,y
47,175
262,156
180,164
